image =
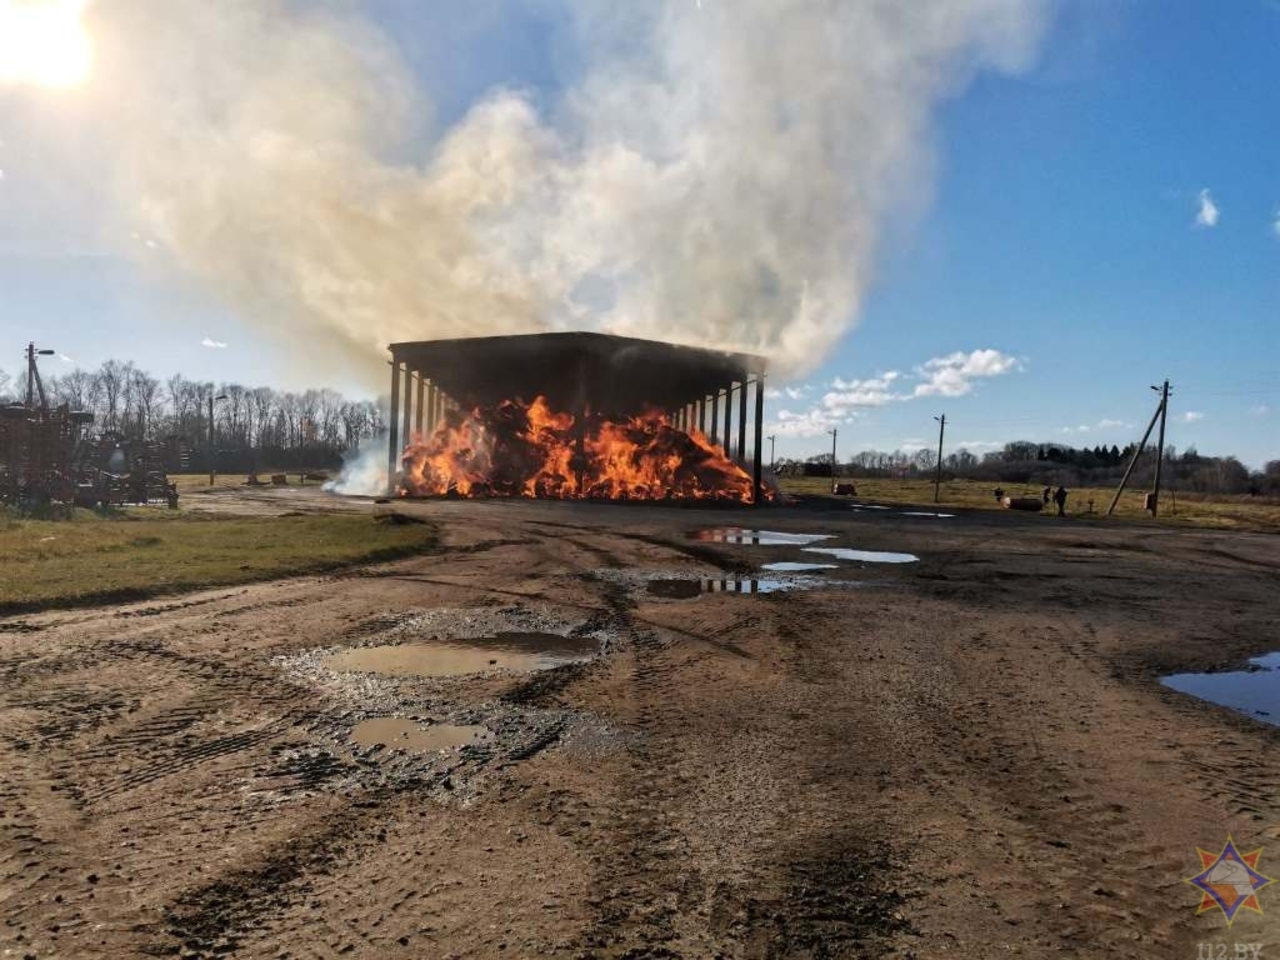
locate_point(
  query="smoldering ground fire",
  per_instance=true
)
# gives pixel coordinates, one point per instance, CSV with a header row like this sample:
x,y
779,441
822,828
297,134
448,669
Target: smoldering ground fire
x,y
575,416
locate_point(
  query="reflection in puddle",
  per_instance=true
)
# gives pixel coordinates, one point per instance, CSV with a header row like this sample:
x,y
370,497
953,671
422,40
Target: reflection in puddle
x,y
761,538
869,506
689,588
791,566
449,658
866,556
1254,692
398,734
925,513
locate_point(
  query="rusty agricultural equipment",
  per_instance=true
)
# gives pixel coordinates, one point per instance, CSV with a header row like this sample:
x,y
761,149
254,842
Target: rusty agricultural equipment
x,y
46,457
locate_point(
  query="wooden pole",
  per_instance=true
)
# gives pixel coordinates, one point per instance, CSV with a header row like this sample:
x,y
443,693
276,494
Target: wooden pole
x,y
833,433
937,480
1133,461
1164,414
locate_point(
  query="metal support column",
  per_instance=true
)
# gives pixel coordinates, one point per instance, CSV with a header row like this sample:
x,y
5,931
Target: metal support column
x,y
702,416
393,445
715,417
758,489
742,419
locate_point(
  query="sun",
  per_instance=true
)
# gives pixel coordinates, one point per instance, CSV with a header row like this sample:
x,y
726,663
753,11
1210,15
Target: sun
x,y
44,42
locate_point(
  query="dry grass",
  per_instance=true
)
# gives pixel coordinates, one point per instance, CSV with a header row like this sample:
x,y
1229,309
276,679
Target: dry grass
x,y
1244,513
152,551
193,482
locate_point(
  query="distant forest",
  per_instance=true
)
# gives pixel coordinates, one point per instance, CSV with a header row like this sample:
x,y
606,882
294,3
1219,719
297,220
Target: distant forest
x,y
1053,463
253,427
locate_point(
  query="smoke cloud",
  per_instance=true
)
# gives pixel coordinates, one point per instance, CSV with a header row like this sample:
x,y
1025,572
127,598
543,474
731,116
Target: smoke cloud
x,y
720,174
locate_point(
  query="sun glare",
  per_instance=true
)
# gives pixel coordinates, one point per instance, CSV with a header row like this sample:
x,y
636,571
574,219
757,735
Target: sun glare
x,y
44,42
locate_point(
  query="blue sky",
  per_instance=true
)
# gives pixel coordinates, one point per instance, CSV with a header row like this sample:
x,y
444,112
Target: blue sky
x,y
1104,220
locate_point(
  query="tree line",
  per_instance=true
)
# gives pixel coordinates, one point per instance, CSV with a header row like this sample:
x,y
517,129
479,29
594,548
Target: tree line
x,y
253,427
1038,464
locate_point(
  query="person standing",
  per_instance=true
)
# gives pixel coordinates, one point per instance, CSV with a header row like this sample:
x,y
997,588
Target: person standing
x,y
1060,498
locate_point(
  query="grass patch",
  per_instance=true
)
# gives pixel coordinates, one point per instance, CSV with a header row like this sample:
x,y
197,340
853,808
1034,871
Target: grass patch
x,y
90,558
1243,513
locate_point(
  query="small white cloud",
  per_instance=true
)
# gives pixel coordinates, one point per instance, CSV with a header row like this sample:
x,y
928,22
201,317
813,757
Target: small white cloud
x,y
1275,220
1191,416
953,376
1261,410
64,358
872,392
1103,424
213,344
1207,215
772,393
979,445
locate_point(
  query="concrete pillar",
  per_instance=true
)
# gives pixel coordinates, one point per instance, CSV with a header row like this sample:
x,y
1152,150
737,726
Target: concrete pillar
x,y
420,410
758,490
742,419
407,410
393,445
715,417
728,421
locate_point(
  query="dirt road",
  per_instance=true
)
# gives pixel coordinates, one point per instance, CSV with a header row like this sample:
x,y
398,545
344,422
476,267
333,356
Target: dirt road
x,y
965,756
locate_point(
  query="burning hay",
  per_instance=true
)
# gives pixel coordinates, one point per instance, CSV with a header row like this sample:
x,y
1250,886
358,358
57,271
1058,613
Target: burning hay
x,y
513,449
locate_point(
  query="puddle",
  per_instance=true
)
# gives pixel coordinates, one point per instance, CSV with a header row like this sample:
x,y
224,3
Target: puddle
x,y
870,506
450,658
687,589
925,513
865,556
1254,692
758,538
398,734
791,566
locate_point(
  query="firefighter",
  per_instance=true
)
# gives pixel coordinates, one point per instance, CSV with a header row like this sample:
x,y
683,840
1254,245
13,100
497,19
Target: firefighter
x,y
1060,498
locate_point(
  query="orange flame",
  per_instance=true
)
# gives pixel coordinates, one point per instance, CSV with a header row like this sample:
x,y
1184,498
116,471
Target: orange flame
x,y
519,450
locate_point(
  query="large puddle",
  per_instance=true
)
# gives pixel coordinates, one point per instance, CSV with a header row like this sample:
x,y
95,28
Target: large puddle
x,y
791,566
757,538
687,589
1254,692
864,556
522,652
397,734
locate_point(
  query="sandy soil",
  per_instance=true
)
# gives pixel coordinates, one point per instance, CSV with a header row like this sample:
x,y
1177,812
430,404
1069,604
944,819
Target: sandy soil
x,y
969,756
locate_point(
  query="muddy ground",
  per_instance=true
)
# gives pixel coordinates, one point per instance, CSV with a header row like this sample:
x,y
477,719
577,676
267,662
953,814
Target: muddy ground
x,y
967,756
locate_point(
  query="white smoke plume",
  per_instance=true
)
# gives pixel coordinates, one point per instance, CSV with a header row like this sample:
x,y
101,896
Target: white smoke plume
x,y
364,470
721,174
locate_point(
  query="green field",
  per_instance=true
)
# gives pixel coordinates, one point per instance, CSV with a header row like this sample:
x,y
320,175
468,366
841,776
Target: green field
x,y
151,551
1245,513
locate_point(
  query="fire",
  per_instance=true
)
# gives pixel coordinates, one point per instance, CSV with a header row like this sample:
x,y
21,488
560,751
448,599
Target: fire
x,y
519,450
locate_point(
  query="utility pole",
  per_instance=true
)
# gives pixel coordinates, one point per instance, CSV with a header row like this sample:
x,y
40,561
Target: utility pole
x,y
1142,445
1164,415
213,453
773,461
937,480
833,433
34,383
